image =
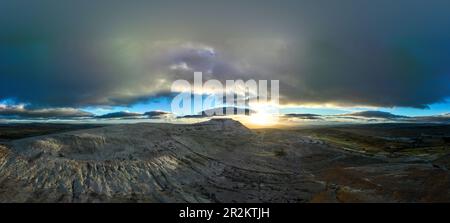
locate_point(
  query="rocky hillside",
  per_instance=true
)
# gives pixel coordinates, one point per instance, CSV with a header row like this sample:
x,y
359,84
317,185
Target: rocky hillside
x,y
215,161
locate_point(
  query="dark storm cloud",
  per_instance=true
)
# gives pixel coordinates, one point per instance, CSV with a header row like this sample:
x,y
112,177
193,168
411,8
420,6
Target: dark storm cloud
x,y
81,53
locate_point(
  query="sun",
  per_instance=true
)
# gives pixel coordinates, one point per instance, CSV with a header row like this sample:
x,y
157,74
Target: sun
x,y
262,119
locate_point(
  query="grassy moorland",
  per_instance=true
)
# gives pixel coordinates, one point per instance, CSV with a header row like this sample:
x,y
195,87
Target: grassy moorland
x,y
423,140
17,131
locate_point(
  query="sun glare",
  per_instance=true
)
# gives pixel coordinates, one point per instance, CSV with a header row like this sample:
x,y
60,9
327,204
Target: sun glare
x,y
262,119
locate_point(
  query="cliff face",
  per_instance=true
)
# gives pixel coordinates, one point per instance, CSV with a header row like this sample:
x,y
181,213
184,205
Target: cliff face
x,y
214,161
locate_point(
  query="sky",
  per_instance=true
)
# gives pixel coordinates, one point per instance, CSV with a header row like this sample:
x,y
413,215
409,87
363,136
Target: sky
x,y
74,59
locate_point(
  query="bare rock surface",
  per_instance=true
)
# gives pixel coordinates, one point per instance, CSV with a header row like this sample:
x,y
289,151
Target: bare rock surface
x,y
215,161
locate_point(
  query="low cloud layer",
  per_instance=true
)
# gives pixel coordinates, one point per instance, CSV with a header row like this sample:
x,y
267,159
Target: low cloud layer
x,y
121,115
136,115
363,117
433,119
8,111
375,114
221,111
304,116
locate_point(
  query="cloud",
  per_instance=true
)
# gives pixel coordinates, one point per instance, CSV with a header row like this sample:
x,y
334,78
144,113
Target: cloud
x,y
136,115
368,116
221,111
375,114
21,111
378,53
227,111
445,118
120,115
303,116
158,115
